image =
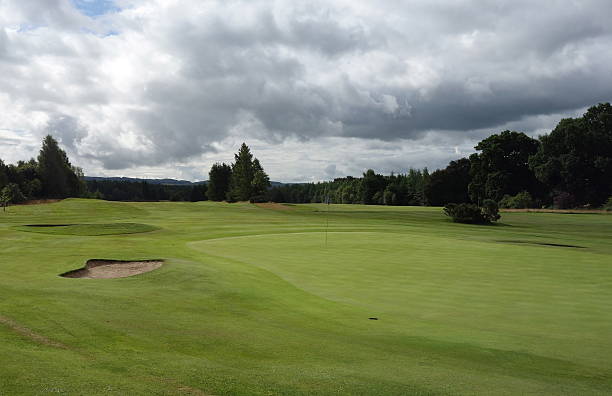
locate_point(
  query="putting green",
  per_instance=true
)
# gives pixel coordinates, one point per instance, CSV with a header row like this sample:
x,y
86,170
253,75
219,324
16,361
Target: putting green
x,y
485,292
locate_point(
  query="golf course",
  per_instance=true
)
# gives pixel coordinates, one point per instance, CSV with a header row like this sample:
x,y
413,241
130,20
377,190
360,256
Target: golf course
x,y
312,299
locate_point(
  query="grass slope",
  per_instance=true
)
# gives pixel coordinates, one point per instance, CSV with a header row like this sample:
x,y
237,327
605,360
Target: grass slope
x,y
253,301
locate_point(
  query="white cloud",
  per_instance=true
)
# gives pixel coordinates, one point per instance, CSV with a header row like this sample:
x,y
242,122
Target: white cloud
x,y
319,88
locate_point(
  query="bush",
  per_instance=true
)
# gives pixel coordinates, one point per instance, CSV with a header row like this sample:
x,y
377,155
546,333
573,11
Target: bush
x,y
259,198
473,214
564,200
522,200
10,194
490,210
608,205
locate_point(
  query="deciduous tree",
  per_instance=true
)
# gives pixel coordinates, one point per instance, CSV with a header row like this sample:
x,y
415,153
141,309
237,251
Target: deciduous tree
x,y
576,157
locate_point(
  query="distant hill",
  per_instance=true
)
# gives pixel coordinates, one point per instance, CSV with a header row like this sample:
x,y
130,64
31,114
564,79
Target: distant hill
x,y
172,182
167,182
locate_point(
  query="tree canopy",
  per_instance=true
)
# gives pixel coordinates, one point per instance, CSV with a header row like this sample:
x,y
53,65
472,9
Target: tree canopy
x,y
59,178
575,159
502,167
248,179
219,181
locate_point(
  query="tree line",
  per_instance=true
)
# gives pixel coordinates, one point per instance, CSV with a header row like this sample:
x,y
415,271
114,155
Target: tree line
x,y
569,167
371,189
51,175
114,190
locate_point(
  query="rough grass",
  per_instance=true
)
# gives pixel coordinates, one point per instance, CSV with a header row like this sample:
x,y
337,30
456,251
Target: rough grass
x,y
253,301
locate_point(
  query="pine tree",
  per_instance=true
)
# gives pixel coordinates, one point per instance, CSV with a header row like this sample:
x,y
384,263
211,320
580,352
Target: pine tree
x,y
260,182
59,178
241,186
3,175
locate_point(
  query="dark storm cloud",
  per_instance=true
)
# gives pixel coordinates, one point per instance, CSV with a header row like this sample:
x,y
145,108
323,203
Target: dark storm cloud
x,y
178,79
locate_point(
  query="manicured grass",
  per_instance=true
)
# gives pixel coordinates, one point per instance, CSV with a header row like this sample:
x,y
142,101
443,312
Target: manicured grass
x,y
257,300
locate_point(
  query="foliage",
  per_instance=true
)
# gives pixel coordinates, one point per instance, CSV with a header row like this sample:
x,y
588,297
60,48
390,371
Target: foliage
x,y
608,205
241,182
564,200
576,157
464,213
219,181
11,194
198,193
502,166
401,189
490,211
449,184
522,200
372,183
3,176
115,190
473,214
247,179
259,184
59,178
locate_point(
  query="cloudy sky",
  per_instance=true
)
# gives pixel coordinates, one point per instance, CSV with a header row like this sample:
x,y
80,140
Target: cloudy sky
x,y
317,89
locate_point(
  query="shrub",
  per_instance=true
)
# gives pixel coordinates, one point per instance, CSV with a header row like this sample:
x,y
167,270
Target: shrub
x,y
608,205
522,200
10,194
473,214
490,210
259,198
564,200
464,213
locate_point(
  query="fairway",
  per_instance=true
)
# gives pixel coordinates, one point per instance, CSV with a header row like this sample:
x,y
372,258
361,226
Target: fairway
x,y
280,299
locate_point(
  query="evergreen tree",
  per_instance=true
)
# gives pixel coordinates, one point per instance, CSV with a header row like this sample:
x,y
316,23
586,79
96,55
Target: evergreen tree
x,y
219,182
198,193
371,184
3,175
261,182
241,185
59,178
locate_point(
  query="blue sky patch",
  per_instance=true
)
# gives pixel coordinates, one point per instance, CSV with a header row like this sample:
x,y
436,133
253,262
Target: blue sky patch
x,y
94,8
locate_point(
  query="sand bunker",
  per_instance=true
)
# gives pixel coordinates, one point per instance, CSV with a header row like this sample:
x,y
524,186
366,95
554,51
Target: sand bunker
x,y
108,269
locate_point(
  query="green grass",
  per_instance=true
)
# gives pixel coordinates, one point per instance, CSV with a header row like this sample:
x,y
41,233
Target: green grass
x,y
254,301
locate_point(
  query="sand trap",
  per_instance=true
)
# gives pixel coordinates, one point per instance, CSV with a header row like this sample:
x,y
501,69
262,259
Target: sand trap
x,y
108,269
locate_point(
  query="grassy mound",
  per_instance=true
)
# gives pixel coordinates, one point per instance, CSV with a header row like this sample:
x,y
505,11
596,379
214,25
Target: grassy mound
x,y
95,229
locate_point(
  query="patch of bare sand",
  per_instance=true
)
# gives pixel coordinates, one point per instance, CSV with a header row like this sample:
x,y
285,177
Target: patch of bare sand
x,y
29,333
273,205
109,269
